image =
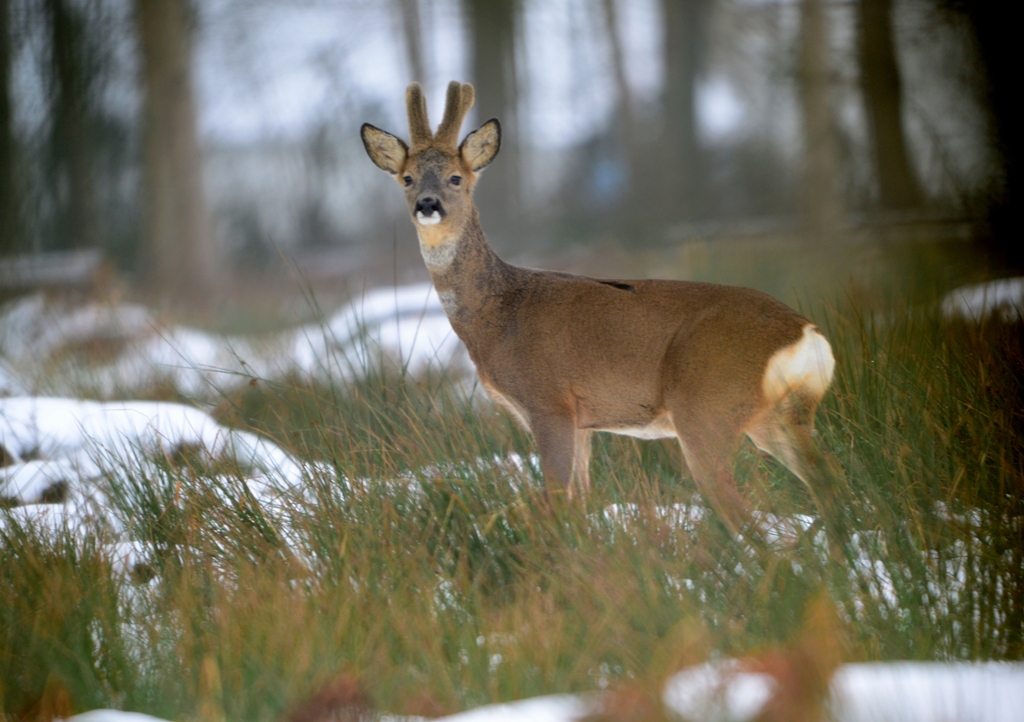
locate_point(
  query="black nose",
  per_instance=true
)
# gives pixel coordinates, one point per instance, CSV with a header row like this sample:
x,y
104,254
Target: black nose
x,y
428,205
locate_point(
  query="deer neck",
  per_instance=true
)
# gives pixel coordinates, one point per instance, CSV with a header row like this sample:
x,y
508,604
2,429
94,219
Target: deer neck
x,y
470,278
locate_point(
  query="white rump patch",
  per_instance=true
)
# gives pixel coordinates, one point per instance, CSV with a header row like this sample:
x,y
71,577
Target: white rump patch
x,y
807,365
432,220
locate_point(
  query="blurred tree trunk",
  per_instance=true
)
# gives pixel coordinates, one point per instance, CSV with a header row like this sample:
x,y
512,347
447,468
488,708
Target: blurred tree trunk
x,y
177,248
412,29
623,94
73,141
624,125
8,193
493,27
684,23
880,84
999,93
822,202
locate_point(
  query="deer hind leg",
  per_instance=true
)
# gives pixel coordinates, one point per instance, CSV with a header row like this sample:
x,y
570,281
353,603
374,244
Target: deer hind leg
x,y
708,446
564,453
787,433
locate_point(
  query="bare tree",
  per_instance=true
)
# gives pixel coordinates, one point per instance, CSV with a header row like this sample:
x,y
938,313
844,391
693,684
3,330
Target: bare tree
x,y
412,29
8,190
71,114
822,203
493,25
881,86
685,24
176,235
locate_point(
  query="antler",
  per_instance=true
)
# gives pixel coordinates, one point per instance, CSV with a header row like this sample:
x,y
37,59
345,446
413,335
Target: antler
x,y
419,126
459,101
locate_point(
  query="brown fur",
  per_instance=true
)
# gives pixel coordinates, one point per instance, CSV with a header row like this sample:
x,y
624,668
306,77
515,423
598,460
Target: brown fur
x,y
569,355
342,699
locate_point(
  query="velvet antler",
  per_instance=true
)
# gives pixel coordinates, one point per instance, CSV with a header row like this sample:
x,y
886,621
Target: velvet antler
x,y
419,127
459,101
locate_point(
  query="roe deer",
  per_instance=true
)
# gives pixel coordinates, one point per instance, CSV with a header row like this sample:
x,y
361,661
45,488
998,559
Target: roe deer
x,y
569,355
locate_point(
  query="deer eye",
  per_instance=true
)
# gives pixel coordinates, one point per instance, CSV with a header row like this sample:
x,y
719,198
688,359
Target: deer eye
x,y
407,180
455,180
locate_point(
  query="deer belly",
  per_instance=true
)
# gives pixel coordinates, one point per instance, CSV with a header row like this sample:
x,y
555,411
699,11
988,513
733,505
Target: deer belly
x,y
660,428
511,406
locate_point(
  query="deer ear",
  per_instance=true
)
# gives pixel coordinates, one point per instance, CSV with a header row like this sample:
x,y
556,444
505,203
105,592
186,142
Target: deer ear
x,y
480,146
385,150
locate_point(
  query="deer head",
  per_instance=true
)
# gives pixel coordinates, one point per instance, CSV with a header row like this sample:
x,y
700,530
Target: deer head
x,y
436,172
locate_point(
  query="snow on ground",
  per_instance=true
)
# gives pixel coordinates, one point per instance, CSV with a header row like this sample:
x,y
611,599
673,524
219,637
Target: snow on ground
x,y
877,692
56,456
1003,299
43,346
55,442
113,715
552,708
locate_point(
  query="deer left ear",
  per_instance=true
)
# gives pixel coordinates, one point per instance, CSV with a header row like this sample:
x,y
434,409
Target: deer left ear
x,y
481,146
385,150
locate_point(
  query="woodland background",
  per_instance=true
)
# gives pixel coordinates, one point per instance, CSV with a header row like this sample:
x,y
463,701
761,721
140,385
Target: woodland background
x,y
198,143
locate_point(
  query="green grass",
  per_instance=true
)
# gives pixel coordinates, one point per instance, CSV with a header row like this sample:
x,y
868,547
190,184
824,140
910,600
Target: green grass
x,y
466,587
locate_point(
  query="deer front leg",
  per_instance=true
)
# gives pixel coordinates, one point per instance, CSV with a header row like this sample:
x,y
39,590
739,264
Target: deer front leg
x,y
564,453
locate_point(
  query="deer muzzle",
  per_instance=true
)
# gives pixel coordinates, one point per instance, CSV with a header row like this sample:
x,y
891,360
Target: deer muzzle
x,y
428,210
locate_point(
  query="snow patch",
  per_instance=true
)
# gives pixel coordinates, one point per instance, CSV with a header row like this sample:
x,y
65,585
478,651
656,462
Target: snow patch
x,y
876,692
1003,299
552,708
71,443
119,349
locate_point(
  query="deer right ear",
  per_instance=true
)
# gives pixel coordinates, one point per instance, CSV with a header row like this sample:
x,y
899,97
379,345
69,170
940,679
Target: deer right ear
x,y
385,150
480,146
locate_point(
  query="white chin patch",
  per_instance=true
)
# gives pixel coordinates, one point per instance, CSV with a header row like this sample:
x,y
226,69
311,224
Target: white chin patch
x,y
432,220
